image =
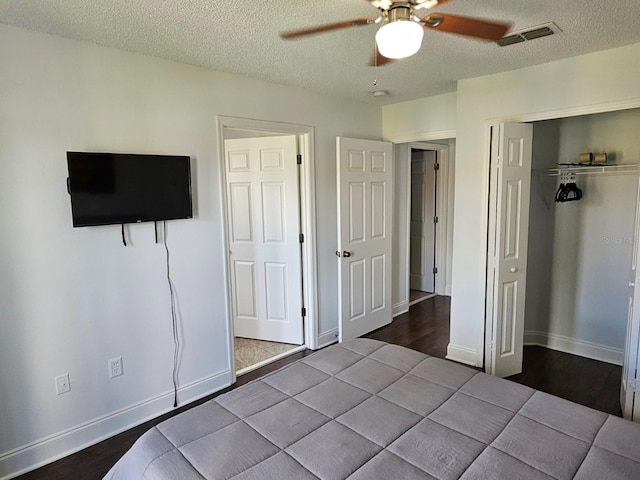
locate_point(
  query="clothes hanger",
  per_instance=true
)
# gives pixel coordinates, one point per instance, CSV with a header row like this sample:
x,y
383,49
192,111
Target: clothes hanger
x,y
559,192
573,193
569,192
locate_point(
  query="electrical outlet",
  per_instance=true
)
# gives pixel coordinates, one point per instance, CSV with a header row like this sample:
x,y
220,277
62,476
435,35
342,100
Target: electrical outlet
x,y
62,384
115,367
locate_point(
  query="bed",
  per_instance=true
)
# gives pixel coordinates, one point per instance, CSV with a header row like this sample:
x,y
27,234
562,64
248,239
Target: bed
x,y
369,410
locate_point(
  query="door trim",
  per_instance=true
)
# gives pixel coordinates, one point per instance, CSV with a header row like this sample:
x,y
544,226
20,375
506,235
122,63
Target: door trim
x,y
425,281
444,214
444,234
305,135
442,282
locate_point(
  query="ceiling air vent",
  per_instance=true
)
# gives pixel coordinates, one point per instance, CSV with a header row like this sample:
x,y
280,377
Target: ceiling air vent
x,y
537,33
510,40
528,34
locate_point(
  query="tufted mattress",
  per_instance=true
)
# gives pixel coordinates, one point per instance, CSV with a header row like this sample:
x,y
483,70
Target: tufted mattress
x,y
368,410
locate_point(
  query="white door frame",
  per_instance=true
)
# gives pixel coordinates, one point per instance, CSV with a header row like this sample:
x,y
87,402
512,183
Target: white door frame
x,y
443,282
528,118
402,211
305,135
427,205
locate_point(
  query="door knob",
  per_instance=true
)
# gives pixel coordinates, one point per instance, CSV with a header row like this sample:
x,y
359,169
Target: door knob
x,y
513,269
631,284
346,254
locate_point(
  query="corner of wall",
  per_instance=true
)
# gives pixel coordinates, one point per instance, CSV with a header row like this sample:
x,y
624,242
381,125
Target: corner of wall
x,y
467,356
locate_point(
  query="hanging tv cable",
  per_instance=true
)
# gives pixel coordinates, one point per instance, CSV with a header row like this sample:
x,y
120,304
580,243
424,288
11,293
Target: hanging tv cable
x,y
174,319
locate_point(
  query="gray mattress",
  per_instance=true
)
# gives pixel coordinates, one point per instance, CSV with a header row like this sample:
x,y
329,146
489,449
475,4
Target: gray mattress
x,y
369,410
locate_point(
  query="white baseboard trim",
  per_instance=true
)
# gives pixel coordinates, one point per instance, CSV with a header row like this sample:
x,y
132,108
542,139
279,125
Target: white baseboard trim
x,y
575,347
422,299
460,354
269,360
57,446
400,308
327,338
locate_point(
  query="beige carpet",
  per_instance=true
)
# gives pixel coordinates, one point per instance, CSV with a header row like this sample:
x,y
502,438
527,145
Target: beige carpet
x,y
249,351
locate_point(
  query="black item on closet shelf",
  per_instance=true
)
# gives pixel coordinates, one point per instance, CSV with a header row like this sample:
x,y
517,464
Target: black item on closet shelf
x,y
568,192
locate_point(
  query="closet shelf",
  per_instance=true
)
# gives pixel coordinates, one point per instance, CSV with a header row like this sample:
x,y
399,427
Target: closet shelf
x,y
588,170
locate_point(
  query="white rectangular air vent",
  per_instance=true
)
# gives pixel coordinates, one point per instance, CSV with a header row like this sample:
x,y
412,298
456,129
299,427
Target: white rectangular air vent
x,y
529,34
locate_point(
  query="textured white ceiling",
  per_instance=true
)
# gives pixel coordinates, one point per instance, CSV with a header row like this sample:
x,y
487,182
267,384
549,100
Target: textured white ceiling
x,y
241,36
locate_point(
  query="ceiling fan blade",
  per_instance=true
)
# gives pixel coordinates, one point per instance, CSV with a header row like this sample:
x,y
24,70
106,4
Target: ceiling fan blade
x,y
302,32
471,27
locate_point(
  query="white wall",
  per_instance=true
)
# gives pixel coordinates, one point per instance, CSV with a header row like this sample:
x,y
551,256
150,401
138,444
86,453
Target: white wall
x,y
401,204
580,252
432,118
597,82
70,299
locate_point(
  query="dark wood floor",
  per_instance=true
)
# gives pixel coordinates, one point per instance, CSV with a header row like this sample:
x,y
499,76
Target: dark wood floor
x,y
426,329
581,380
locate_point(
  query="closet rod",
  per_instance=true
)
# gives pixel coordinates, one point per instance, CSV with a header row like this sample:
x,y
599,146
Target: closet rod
x,y
587,170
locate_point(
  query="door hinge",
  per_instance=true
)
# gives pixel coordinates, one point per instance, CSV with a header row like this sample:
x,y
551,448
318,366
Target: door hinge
x,y
301,237
435,270
436,166
299,159
436,219
633,386
304,312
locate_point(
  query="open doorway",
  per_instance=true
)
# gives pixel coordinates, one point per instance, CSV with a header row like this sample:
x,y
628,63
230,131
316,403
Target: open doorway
x,y
423,233
263,211
423,224
267,195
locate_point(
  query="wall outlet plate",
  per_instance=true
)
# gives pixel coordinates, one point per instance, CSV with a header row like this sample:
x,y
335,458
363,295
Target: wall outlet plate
x,y
115,367
62,384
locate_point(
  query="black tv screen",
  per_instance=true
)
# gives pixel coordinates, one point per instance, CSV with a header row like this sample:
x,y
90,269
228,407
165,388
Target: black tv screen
x,y
116,188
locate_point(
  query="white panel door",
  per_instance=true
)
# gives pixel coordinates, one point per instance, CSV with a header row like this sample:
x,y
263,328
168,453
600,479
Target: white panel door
x,y
511,148
263,215
630,386
422,228
364,235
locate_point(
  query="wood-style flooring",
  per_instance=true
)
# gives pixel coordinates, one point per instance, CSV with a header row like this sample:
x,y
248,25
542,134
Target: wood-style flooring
x,y
424,328
581,380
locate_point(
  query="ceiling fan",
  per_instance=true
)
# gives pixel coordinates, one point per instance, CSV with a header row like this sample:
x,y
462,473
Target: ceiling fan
x,y
401,33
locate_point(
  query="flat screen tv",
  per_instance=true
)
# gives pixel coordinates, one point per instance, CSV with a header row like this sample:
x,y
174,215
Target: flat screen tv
x,y
117,188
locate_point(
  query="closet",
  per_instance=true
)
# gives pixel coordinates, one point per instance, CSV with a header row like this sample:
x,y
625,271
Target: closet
x,y
580,251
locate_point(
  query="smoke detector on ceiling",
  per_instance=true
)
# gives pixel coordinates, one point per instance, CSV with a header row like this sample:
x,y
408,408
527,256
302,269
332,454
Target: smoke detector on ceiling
x,y
529,34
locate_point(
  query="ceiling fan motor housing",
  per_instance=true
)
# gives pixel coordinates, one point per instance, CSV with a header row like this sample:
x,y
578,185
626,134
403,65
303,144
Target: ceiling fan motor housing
x,y
400,12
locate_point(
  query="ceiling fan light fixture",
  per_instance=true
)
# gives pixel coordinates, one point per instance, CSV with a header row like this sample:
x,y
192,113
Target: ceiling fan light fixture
x,y
399,39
